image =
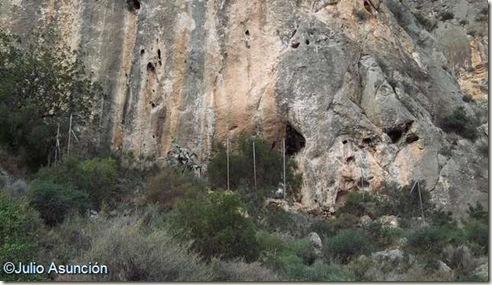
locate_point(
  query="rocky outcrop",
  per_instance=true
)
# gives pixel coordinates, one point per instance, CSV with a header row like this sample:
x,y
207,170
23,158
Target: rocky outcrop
x,y
357,87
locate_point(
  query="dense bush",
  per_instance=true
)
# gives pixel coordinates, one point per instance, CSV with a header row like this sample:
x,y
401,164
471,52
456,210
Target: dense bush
x,y
218,225
19,228
40,88
167,187
359,204
427,241
53,201
294,259
136,253
97,177
460,123
345,245
268,167
405,202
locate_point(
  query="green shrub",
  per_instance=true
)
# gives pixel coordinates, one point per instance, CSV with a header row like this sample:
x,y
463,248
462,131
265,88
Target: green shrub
x,y
239,271
136,253
169,186
19,228
478,213
268,167
53,201
446,15
460,123
427,241
345,245
217,224
97,177
405,202
477,235
39,90
428,24
359,204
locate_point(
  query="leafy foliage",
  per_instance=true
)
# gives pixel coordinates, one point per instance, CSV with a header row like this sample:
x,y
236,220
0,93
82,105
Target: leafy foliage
x,y
268,170
19,227
54,201
97,177
460,123
169,186
218,225
346,244
40,88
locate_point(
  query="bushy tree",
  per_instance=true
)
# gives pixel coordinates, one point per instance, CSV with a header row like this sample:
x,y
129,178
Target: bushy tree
x,y
19,227
41,86
54,201
218,226
241,175
97,177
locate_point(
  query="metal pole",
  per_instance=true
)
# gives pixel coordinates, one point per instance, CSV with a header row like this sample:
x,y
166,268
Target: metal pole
x,y
283,155
227,146
69,135
421,205
254,163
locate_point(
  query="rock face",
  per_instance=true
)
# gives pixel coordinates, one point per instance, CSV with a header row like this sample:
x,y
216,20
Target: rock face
x,y
358,88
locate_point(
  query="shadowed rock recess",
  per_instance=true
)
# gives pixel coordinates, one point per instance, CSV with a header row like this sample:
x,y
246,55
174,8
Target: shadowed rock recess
x,y
357,88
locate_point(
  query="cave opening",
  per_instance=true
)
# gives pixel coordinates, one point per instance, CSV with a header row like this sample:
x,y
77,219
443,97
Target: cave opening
x,y
247,33
294,140
307,42
142,51
398,131
295,45
133,5
395,135
150,67
367,6
159,54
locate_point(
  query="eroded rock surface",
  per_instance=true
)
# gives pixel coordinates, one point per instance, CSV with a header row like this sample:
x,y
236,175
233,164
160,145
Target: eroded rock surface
x,y
363,84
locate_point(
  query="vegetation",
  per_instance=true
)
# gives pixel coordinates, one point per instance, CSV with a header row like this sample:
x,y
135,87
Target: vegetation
x,y
28,116
460,123
172,224
219,226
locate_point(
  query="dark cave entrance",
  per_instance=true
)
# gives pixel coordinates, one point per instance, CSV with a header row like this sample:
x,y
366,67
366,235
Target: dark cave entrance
x,y
294,140
133,5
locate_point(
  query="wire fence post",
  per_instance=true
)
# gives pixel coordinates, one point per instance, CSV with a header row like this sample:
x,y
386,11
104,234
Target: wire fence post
x,y
69,135
421,204
227,151
254,163
283,155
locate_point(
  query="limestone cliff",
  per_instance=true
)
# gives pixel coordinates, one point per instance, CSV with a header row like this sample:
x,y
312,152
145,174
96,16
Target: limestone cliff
x,y
357,87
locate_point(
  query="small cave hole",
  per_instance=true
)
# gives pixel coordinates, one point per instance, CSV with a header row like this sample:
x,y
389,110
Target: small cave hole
x,y
142,51
350,159
294,140
233,127
367,140
412,138
150,67
344,141
153,136
367,6
160,62
395,135
307,42
152,104
153,90
133,5
246,33
295,44
159,54
363,183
